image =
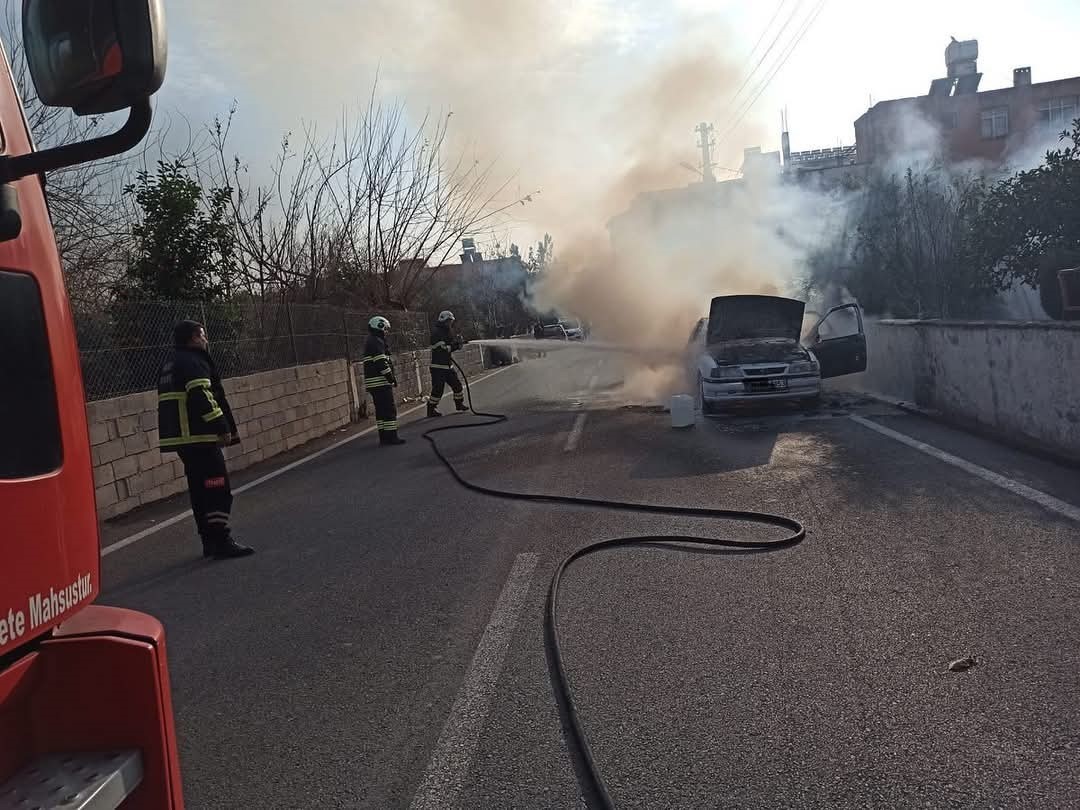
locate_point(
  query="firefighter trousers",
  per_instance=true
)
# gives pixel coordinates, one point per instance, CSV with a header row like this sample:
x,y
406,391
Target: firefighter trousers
x,y
210,491
442,377
385,412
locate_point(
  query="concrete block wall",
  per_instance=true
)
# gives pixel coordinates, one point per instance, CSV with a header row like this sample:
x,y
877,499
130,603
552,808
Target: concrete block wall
x,y
275,411
1020,379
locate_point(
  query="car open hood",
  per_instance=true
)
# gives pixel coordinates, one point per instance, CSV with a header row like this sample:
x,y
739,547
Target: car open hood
x,y
754,317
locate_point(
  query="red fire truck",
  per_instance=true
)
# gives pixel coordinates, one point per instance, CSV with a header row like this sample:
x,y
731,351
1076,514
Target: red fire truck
x,y
85,708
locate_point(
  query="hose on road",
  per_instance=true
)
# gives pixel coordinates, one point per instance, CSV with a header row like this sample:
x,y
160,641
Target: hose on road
x,y
596,791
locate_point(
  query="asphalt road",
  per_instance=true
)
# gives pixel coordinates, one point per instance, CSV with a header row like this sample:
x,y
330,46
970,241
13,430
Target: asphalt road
x,y
385,647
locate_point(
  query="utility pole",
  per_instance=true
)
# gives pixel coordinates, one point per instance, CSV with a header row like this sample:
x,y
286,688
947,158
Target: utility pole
x,y
705,132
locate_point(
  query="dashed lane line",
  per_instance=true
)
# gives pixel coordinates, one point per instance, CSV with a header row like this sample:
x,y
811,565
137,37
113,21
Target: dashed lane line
x,y
452,759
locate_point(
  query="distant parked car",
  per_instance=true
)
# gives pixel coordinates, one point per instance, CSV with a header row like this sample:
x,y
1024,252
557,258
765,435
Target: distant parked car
x,y
749,350
564,330
573,329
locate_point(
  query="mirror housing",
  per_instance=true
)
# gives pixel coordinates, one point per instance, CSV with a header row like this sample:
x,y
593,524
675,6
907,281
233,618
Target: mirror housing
x,y
95,56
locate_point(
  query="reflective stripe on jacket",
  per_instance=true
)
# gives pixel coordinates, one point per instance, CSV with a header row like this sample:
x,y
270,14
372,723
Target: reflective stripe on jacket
x,y
378,370
192,407
443,344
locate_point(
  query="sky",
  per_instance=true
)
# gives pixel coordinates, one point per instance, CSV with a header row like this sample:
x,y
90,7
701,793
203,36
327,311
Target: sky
x,y
591,101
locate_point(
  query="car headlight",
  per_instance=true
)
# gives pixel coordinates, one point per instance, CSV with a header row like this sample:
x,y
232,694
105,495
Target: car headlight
x,y
803,367
726,373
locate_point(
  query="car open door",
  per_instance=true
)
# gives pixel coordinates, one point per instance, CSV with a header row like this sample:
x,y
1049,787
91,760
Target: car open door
x,y
839,342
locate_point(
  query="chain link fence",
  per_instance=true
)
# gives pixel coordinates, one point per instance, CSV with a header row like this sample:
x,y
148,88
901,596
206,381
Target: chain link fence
x,y
123,346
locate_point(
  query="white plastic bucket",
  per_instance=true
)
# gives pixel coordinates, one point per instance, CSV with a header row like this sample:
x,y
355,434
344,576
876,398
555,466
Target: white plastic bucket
x,y
682,411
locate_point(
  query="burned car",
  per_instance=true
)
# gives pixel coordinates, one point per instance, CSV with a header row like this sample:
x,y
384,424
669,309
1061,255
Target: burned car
x,y
749,349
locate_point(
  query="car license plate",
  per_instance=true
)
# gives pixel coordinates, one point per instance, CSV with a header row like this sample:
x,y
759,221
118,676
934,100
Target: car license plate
x,y
778,385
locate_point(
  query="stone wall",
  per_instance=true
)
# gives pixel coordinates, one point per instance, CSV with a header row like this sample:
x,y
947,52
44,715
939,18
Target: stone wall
x,y
275,412
1017,379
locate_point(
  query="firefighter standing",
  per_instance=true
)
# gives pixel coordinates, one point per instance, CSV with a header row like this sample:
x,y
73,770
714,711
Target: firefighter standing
x,y
195,421
443,343
379,380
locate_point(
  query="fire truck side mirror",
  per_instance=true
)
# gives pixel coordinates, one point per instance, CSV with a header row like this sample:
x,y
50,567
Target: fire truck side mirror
x,y
95,56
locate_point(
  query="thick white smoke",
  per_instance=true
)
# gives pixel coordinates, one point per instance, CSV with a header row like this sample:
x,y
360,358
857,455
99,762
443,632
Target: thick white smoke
x,y
578,102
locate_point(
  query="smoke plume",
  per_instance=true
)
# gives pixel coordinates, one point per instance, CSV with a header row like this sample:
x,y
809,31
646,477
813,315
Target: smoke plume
x,y
578,101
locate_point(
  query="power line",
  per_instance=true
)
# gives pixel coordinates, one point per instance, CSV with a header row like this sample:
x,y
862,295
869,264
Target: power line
x,y
745,109
765,30
777,66
764,56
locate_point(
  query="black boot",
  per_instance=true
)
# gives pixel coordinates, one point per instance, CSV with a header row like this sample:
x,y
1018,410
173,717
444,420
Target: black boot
x,y
461,406
390,438
432,411
230,550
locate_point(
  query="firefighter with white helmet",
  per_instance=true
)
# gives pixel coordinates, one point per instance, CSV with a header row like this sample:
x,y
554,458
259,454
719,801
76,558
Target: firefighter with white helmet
x,y
444,342
379,381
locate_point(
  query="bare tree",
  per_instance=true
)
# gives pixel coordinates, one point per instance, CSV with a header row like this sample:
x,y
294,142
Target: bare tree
x,y
412,203
284,236
85,201
365,214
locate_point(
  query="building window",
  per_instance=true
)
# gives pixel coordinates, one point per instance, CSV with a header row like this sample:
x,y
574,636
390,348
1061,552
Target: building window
x,y
951,120
995,123
1058,114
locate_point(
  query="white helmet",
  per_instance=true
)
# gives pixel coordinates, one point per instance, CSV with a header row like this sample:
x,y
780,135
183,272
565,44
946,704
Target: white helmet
x,y
446,315
379,324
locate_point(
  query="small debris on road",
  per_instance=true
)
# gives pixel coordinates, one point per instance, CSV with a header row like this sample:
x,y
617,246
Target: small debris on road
x,y
962,664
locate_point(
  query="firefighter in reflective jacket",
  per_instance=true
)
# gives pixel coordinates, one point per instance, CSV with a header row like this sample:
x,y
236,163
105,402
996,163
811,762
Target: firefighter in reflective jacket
x,y
379,380
443,343
195,422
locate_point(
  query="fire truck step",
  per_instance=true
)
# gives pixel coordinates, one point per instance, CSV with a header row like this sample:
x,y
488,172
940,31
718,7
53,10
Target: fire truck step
x,y
73,782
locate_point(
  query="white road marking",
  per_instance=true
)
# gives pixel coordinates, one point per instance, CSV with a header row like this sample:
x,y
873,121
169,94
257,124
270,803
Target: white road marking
x,y
574,439
451,760
1036,496
172,521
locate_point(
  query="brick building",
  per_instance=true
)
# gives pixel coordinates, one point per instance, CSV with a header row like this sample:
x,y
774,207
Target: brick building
x,y
990,125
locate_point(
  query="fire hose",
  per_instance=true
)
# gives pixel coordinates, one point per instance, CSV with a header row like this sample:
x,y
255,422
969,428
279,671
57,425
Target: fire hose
x,y
592,783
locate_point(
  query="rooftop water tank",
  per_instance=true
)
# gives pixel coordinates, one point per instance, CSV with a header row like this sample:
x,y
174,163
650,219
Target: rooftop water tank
x,y
961,57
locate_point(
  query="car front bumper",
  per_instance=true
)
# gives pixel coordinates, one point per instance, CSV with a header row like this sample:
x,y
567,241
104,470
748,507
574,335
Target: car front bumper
x,y
720,392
